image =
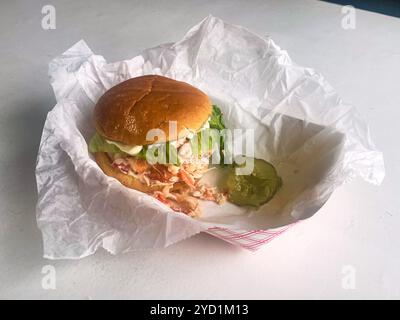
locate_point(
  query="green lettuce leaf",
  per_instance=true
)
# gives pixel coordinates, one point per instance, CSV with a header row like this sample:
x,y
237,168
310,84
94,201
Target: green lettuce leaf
x,y
172,154
142,153
99,144
197,141
170,157
216,121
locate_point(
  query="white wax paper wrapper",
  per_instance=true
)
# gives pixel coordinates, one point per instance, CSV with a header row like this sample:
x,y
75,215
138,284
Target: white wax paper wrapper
x,y
315,141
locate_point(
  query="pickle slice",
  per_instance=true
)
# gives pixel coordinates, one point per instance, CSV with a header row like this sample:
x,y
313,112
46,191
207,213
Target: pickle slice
x,y
255,189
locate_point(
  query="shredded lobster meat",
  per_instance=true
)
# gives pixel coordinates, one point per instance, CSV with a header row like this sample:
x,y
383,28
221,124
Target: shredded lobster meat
x,y
187,178
181,189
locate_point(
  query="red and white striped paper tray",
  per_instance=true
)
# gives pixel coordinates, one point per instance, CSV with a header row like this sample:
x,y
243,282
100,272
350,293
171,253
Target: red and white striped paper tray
x,y
250,240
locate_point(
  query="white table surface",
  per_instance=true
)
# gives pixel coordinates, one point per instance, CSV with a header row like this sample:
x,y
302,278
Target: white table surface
x,y
358,226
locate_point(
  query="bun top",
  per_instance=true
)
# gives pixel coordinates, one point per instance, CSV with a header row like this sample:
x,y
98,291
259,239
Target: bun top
x,y
127,111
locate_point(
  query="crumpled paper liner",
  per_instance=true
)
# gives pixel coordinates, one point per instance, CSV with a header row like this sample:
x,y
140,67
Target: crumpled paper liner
x,y
315,140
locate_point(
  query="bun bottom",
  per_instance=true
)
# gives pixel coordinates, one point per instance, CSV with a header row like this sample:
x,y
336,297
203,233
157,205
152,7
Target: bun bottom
x,y
128,181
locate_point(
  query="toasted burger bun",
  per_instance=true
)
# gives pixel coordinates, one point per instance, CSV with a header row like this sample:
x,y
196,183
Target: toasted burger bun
x,y
126,112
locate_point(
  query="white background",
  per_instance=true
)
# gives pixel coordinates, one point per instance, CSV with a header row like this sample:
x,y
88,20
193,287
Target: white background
x,y
358,226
